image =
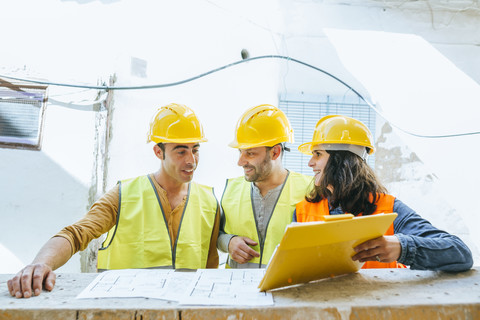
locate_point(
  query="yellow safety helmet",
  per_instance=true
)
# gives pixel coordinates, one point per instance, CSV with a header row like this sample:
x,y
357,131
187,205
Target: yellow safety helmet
x,y
336,132
175,123
263,125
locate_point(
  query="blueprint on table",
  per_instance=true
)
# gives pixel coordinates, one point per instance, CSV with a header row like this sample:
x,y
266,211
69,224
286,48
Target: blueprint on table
x,y
227,287
203,287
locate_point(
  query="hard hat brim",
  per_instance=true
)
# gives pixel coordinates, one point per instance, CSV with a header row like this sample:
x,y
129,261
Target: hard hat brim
x,y
269,143
165,140
306,148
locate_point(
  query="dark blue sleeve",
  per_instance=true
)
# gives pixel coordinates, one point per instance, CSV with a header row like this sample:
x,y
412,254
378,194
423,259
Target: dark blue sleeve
x,y
294,218
425,247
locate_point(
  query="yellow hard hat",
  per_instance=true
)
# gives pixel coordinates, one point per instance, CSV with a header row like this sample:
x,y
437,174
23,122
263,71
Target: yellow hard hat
x,y
337,132
263,125
175,123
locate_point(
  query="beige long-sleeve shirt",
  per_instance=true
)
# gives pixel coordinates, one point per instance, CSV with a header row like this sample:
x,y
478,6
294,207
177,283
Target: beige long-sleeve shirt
x,y
103,216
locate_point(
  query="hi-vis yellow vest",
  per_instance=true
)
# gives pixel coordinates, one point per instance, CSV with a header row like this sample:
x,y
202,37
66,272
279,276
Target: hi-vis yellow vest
x,y
238,209
140,238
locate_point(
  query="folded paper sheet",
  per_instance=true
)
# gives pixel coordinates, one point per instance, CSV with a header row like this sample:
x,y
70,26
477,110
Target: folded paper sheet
x,y
315,250
203,287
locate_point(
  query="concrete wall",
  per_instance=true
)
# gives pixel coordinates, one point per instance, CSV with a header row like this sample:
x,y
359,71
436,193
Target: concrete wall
x,y
425,95
42,191
144,43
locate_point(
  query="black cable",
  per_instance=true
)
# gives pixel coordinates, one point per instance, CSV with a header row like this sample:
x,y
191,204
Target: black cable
x,y
156,86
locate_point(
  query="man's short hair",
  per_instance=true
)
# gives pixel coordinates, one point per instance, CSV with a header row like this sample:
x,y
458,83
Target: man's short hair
x,y
282,147
161,145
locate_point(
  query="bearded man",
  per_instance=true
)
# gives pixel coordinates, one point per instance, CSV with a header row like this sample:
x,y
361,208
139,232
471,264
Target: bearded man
x,y
259,205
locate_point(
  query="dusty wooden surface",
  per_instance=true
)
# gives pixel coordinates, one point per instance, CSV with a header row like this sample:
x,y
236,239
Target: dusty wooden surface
x,y
368,294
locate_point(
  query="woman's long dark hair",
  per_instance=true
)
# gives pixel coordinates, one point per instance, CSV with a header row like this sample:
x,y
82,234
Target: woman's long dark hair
x,y
354,183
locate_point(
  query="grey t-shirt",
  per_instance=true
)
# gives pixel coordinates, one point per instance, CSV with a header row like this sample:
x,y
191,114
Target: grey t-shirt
x,y
262,209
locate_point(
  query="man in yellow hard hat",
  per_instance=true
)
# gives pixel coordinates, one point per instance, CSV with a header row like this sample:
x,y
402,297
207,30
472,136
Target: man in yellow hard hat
x,y
160,220
259,205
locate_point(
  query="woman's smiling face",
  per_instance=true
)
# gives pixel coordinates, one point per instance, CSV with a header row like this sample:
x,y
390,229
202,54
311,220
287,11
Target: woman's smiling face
x,y
318,161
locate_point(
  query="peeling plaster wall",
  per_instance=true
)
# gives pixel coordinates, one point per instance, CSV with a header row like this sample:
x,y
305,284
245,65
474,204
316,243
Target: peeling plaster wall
x,y
88,257
422,179
414,183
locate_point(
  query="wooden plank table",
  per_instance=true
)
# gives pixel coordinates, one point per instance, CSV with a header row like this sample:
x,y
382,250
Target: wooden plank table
x,y
368,294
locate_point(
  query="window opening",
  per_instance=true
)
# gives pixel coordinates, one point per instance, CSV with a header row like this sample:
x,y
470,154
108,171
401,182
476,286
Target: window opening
x,y
304,115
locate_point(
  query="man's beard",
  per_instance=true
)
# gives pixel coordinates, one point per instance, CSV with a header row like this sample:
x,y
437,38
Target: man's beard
x,y
262,171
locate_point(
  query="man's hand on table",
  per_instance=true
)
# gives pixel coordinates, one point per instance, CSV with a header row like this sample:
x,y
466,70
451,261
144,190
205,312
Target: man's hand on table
x,y
31,280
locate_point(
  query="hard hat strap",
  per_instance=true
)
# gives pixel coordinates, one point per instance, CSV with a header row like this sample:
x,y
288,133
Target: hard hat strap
x,y
284,147
360,151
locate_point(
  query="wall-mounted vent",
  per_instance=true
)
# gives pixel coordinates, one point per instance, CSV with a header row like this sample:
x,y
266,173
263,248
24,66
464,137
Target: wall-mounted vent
x,y
22,108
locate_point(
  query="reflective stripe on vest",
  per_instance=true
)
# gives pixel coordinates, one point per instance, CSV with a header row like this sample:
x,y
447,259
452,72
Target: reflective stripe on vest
x,y
238,209
141,238
312,211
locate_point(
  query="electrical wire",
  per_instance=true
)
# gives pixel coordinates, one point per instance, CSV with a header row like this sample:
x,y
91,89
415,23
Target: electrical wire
x,y
156,86
172,84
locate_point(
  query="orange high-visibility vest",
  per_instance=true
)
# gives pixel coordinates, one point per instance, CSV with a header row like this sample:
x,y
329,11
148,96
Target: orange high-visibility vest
x,y
313,211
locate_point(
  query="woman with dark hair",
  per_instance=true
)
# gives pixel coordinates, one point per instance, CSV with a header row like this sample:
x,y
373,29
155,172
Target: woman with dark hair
x,y
345,183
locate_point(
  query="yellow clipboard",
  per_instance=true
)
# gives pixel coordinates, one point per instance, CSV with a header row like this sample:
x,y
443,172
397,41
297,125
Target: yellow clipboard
x,y
315,250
